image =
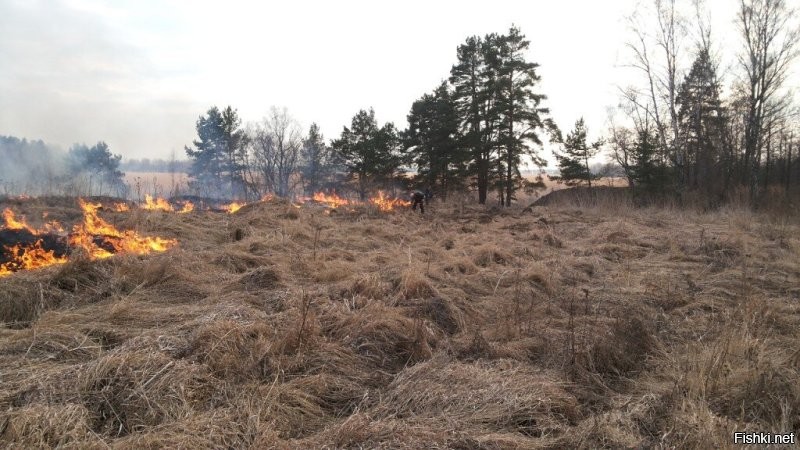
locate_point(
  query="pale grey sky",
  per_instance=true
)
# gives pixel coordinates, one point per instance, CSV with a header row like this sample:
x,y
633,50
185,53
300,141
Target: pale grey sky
x,y
137,74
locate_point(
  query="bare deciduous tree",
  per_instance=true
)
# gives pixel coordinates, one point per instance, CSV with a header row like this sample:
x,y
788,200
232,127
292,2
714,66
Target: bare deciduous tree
x,y
770,39
656,101
275,144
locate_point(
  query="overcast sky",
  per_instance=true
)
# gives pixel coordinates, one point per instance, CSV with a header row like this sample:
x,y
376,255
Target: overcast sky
x,y
137,74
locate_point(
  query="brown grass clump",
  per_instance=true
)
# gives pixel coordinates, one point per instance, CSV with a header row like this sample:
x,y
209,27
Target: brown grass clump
x,y
260,278
460,266
414,284
239,262
625,350
231,350
21,301
499,395
126,392
488,254
48,426
369,286
383,336
53,343
439,311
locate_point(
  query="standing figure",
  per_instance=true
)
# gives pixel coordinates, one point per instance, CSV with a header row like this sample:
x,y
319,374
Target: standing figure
x,y
418,198
428,195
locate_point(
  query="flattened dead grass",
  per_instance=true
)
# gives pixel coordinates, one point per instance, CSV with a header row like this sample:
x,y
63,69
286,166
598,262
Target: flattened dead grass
x,y
276,327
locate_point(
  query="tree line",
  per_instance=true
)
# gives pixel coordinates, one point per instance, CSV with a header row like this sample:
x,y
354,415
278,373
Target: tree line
x,y
473,131
679,135
35,168
683,136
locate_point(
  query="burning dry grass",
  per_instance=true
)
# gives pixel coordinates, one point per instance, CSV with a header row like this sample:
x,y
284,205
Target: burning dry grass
x,y
284,327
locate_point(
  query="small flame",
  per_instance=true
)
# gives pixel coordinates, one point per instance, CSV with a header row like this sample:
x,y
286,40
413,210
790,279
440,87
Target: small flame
x,y
158,204
121,207
187,207
232,207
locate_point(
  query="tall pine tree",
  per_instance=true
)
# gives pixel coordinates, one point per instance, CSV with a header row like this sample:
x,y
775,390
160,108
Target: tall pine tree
x,y
432,141
471,97
702,160
518,105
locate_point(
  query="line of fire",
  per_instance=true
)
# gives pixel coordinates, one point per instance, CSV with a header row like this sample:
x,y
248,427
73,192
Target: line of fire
x,y
24,247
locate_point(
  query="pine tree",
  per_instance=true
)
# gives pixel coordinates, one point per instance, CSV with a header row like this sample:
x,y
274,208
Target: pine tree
x,y
100,164
370,153
519,111
217,161
432,141
573,163
649,172
316,160
473,95
702,128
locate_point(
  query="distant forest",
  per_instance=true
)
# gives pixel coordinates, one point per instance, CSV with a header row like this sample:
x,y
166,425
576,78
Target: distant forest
x,y
674,135
35,168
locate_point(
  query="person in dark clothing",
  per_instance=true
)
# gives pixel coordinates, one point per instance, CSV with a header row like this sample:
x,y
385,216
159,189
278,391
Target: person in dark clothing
x,y
418,198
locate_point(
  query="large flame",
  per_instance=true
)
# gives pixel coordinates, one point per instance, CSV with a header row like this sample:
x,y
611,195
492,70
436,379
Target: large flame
x,y
98,239
111,240
332,200
28,258
381,201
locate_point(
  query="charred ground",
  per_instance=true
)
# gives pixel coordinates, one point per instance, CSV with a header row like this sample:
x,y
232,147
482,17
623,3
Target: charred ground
x,y
285,327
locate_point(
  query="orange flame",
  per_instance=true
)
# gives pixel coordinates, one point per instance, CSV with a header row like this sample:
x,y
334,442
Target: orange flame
x,y
332,200
12,223
28,258
121,207
94,229
233,207
158,204
187,207
386,204
95,236
32,256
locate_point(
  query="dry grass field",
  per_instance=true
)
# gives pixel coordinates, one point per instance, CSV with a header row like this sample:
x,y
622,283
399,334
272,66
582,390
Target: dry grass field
x,y
158,184
563,326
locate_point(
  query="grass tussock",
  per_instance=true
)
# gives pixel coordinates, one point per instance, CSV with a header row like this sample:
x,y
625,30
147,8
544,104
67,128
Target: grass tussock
x,y
126,392
498,396
580,323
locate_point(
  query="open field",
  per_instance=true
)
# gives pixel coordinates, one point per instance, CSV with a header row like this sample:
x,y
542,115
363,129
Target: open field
x,y
159,184
470,327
